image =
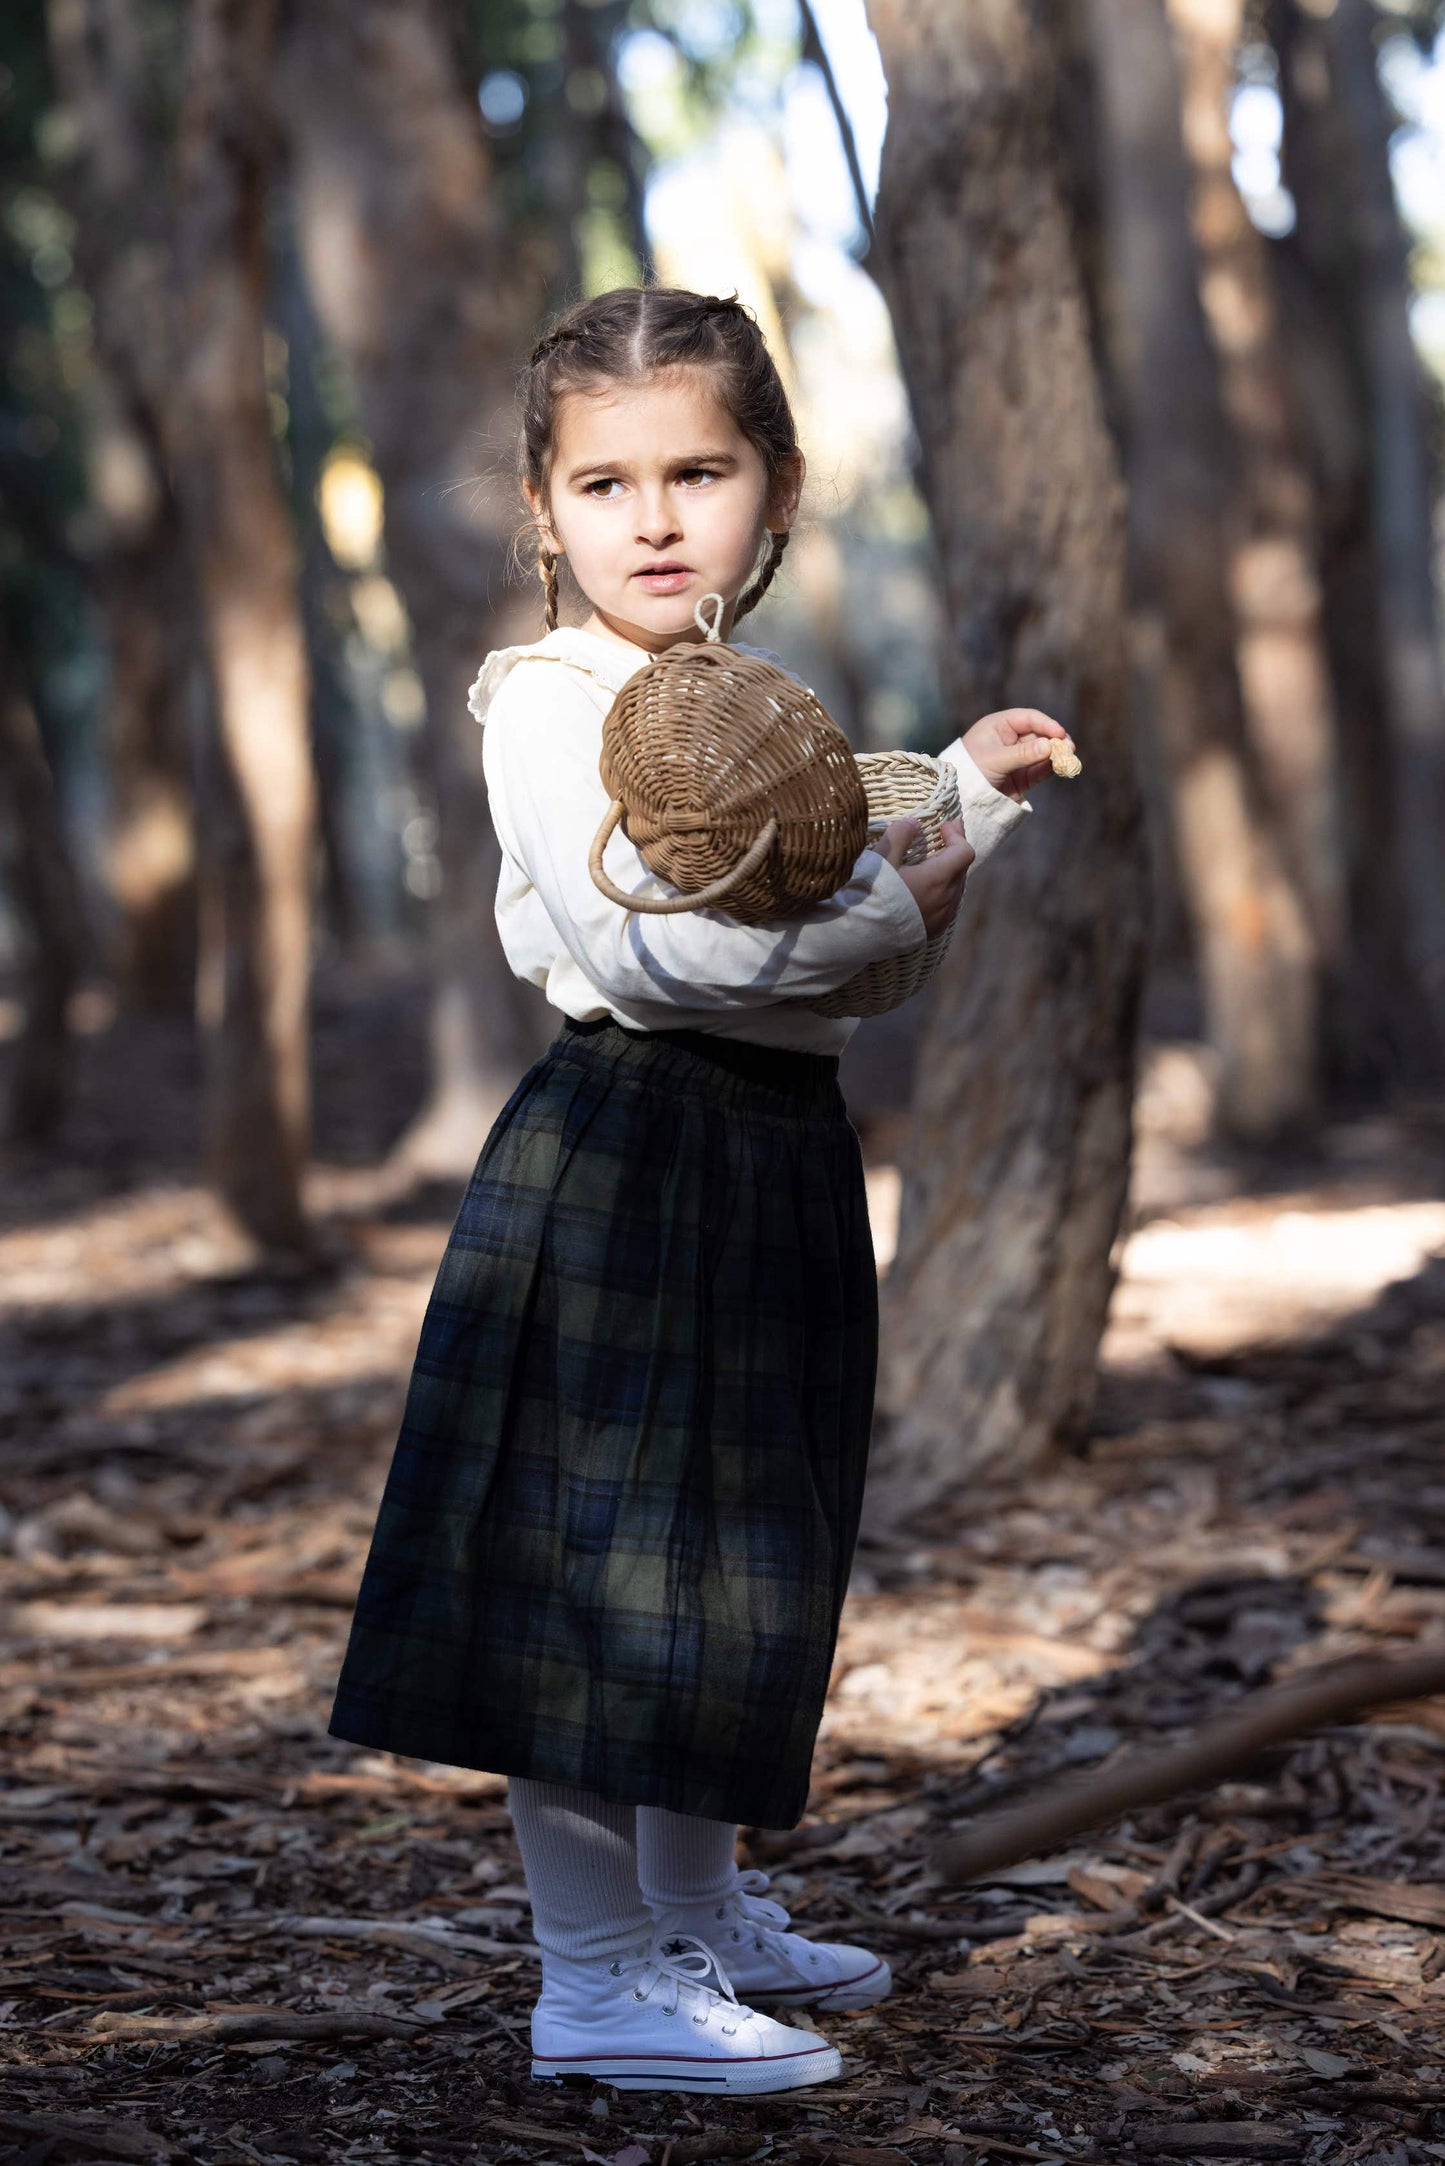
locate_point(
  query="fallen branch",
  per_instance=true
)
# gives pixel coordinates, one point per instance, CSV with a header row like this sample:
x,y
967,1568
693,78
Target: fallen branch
x,y
97,2139
240,2030
1330,1693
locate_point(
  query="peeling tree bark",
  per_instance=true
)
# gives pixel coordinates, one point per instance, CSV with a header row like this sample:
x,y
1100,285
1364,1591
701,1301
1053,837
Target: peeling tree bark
x,y
1016,1160
257,791
413,278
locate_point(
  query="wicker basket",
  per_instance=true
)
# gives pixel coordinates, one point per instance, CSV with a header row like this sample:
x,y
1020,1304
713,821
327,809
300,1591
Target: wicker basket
x,y
732,781
898,783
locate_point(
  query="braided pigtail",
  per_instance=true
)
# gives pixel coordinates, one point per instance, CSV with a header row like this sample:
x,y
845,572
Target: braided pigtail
x,y
754,594
547,573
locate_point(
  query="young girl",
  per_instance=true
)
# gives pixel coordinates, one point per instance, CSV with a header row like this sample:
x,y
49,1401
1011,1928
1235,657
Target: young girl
x,y
617,1530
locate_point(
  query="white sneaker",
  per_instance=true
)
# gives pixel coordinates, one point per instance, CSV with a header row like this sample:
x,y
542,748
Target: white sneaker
x,y
647,2022
760,1958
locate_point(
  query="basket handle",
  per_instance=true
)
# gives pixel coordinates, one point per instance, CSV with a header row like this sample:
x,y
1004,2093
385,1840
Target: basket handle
x,y
660,905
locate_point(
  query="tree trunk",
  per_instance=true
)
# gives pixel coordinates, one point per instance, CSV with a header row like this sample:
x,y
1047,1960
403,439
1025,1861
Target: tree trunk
x,y
1343,283
413,279
115,180
1402,471
1255,951
40,883
257,793
1017,1156
1274,578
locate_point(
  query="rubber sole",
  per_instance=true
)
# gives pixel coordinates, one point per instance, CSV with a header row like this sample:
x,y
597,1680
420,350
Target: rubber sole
x,y
674,2072
861,1992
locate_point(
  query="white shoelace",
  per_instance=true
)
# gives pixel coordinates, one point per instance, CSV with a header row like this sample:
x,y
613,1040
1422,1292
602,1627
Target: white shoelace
x,y
684,1963
769,1922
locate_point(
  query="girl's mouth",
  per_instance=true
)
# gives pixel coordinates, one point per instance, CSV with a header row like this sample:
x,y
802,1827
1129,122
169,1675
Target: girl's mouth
x,y
663,578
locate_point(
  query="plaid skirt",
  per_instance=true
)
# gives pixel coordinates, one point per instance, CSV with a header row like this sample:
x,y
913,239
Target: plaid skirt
x,y
617,1529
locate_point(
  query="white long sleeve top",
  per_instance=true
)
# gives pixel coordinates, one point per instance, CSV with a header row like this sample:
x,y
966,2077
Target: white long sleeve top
x,y
542,708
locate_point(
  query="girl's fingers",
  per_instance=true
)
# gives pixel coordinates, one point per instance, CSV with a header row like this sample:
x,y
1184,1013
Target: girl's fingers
x,y
1032,721
897,837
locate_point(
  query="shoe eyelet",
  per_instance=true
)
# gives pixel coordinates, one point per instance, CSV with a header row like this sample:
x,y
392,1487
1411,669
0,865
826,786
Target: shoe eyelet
x,y
616,1969
736,1934
759,1946
635,1994
730,2030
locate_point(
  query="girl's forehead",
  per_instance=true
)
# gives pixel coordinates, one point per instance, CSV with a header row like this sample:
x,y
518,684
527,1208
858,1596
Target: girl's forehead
x,y
677,410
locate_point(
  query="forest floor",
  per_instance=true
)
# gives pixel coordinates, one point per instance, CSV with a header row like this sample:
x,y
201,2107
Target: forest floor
x,y
228,1938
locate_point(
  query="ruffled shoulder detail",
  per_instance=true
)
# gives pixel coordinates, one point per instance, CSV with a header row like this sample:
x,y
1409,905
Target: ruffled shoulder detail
x,y
567,645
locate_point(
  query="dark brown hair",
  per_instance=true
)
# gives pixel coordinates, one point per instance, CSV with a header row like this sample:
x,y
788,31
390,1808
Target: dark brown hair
x,y
628,335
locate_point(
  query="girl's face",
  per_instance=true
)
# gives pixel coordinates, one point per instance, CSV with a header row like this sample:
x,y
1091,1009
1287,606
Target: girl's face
x,y
657,498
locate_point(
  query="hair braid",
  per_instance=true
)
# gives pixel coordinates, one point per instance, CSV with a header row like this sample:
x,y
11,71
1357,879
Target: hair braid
x,y
754,594
547,573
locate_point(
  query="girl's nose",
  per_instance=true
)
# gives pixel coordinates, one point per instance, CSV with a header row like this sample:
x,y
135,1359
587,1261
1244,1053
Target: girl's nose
x,y
657,525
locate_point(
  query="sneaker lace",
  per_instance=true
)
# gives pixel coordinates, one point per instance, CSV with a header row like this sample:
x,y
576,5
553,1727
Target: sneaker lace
x,y
681,1966
769,1922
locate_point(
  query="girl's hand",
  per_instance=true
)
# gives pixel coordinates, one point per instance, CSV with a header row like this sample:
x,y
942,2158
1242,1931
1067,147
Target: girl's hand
x,y
937,884
1011,748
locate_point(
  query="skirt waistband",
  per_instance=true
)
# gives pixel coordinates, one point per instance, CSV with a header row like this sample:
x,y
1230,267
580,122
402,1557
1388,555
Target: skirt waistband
x,y
724,1067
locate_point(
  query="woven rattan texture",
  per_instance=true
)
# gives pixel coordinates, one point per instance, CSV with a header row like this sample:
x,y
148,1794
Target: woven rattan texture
x,y
702,747
897,783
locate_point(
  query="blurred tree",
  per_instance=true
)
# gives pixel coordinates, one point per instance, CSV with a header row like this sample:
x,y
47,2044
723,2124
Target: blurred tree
x,y
115,68
40,884
1345,282
1256,950
1016,1161
256,795
44,632
430,299
1289,700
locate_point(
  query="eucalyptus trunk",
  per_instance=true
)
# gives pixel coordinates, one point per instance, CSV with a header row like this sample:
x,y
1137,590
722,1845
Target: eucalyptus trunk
x,y
1345,285
1255,948
257,792
106,72
1284,663
41,888
1016,1158
417,284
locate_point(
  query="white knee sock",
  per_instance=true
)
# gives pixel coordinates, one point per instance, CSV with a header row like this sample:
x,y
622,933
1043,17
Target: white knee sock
x,y
683,1861
579,1854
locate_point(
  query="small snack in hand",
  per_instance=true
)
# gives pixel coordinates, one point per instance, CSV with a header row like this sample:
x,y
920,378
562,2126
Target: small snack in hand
x,y
1063,758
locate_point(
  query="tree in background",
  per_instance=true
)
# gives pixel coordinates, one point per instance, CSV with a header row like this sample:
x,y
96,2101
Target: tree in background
x,y
42,591
256,792
430,280
114,70
1016,1158
1257,957
1345,290
1274,580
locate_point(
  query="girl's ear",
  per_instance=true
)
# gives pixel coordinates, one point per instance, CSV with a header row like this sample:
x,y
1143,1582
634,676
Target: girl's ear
x,y
546,532
786,492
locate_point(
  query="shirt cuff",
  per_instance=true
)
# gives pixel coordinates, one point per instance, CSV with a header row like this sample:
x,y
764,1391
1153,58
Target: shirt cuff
x,y
988,815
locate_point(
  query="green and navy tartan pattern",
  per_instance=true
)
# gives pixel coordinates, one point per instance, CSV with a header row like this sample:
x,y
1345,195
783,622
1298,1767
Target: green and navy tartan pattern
x,y
618,1524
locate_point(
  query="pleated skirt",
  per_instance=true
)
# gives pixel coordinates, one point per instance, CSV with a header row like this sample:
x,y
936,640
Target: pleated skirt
x,y
617,1528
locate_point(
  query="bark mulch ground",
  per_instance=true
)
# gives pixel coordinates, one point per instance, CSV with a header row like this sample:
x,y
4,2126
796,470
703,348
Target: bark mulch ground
x,y
228,1938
